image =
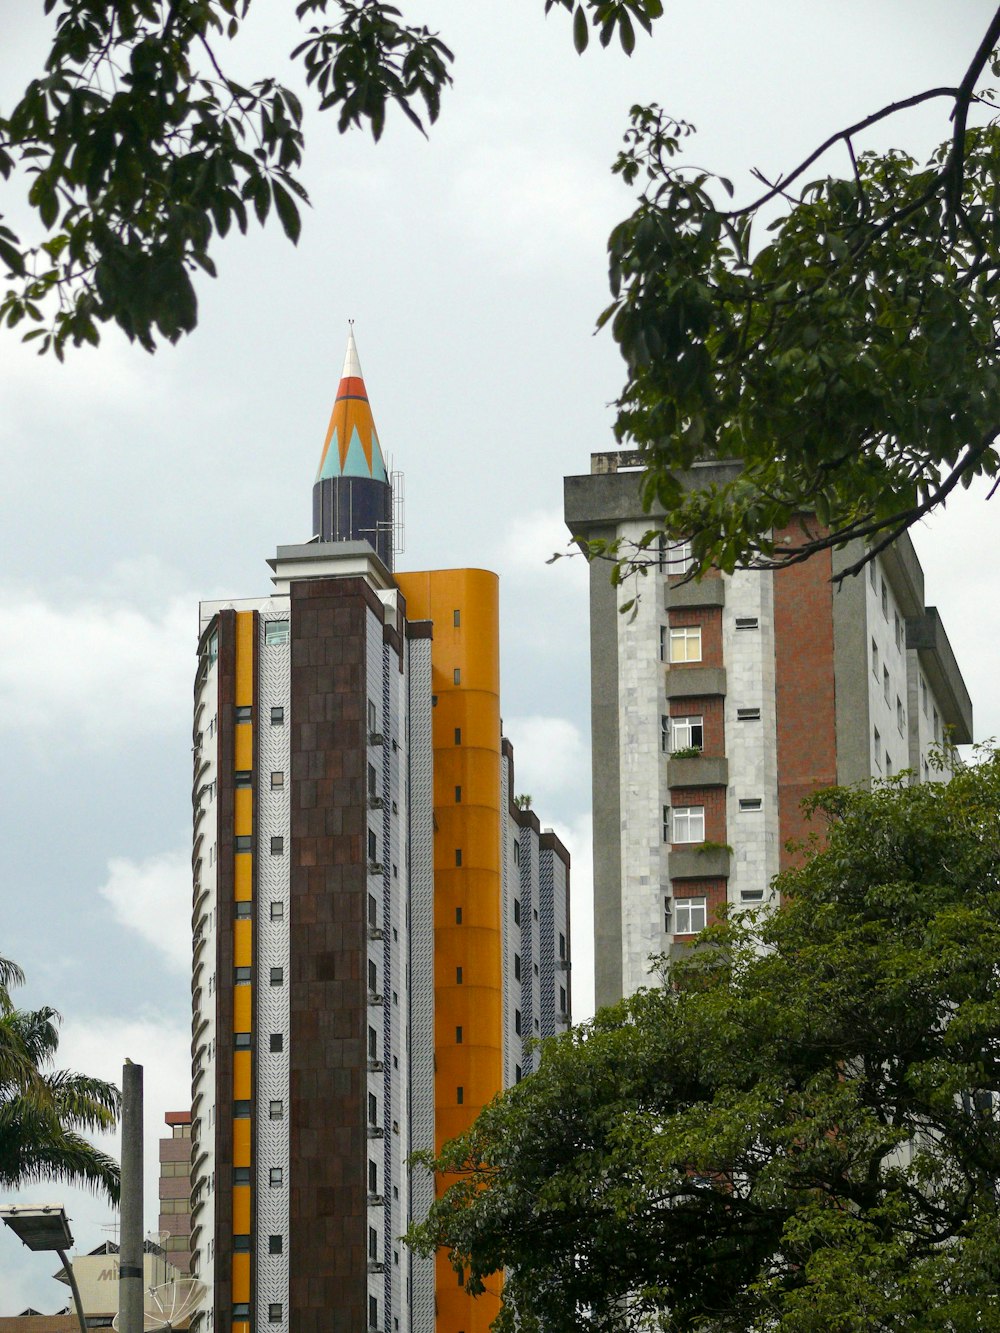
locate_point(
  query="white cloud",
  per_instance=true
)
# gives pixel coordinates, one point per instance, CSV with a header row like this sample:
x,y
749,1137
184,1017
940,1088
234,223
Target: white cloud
x,y
99,1046
152,897
552,763
96,671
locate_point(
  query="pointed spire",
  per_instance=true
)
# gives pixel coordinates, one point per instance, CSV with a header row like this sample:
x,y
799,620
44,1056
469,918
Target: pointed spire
x,y
351,448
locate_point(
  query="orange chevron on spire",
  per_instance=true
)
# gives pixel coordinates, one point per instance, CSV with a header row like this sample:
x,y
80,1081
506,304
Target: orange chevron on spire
x,y
351,447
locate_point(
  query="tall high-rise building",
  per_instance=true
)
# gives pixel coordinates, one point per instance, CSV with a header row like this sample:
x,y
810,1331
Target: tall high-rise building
x,y
381,930
721,703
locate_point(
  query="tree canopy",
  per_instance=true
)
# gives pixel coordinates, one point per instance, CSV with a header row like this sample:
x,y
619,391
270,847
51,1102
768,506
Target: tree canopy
x,y
799,1133
44,1112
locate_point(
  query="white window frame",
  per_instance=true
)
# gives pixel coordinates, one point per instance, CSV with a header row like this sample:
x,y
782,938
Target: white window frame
x,y
685,643
687,823
690,915
681,732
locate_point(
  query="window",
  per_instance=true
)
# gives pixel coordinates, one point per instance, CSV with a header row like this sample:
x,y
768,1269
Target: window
x,y
372,1177
458,735
885,684
456,676
562,999
458,916
243,911
871,572
878,748
275,632
276,1110
458,976
923,695
663,643
372,846
900,715
276,1176
692,914
372,717
372,1109
243,777
277,976
372,975
241,1175
241,1040
562,945
277,910
458,1036
460,1095
898,628
241,1110
888,765
751,895
277,846
874,659
517,853
372,1044
458,856
751,803
679,557
243,843
688,823
456,618
277,1041
517,967
277,720
748,715
517,911
937,725
517,1021
664,732
885,600
241,1310
241,1243
687,733
274,1244
372,1312
747,622
277,780
244,713
372,1243
685,643
241,976
458,795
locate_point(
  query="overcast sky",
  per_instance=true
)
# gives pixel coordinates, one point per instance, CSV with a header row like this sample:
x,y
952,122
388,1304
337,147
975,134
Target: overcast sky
x,y
473,264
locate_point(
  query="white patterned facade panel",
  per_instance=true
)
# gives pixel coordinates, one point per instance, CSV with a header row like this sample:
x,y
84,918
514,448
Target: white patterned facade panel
x,y
273,723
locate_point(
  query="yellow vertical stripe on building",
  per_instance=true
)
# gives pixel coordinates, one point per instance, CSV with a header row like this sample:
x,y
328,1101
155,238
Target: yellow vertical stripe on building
x,y
465,679
242,944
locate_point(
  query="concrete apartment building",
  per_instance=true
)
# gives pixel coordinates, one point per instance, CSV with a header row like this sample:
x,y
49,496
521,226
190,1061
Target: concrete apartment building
x,y
380,930
722,703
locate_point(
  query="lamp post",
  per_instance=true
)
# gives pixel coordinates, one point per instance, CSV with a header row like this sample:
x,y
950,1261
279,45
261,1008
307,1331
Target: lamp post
x,y
45,1227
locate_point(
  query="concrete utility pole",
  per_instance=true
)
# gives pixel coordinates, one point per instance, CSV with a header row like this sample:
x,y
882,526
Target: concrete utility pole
x,y
130,1267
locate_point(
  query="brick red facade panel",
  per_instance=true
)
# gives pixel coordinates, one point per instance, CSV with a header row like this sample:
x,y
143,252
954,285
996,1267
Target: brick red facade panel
x,y
328,950
805,697
710,620
712,714
714,801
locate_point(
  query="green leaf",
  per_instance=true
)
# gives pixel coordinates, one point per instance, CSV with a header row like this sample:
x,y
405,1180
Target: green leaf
x,y
287,211
581,33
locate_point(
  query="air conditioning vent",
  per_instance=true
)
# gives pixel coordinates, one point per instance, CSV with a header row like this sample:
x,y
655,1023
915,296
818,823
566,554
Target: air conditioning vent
x,y
375,933
563,965
375,1266
373,998
375,802
375,867
376,738
376,1132
376,1201
375,1066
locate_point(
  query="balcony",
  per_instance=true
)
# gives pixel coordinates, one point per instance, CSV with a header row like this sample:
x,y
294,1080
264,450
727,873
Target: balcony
x,y
707,592
689,682
698,771
698,861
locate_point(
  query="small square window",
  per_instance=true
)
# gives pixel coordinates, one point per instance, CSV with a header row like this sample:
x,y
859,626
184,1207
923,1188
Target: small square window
x,y
241,1310
692,914
276,1110
274,1314
277,910
277,846
685,643
275,632
277,976
687,733
277,717
241,1175
456,618
456,676
243,778
243,713
241,1110
274,1244
688,823
241,1243
244,910
243,842
277,780
276,1041
751,803
241,976
276,1176
241,1040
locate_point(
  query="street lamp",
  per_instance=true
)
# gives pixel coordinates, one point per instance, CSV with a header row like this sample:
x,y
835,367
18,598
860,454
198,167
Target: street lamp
x,y
45,1227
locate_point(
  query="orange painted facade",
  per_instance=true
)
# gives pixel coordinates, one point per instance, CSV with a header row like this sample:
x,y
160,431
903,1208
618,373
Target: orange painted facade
x,y
242,954
463,605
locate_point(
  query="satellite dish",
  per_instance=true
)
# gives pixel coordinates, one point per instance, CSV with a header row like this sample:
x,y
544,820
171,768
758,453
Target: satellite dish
x,y
169,1305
